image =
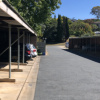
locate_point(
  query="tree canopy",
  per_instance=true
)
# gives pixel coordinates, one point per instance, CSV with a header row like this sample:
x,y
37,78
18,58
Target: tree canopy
x,y
57,30
50,31
91,23
35,11
80,28
96,11
65,27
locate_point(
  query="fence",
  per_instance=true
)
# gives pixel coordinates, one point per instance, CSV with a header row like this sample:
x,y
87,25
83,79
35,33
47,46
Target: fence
x,y
42,47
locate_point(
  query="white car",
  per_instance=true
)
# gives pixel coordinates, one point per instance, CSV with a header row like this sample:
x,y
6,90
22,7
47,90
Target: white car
x,y
33,49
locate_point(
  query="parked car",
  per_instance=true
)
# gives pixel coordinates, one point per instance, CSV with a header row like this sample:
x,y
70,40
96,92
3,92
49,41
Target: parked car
x,y
33,49
28,54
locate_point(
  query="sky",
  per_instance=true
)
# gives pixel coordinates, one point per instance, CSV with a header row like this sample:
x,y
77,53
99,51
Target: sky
x,y
78,9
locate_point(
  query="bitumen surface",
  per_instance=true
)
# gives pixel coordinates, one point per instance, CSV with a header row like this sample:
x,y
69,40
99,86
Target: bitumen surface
x,y
66,75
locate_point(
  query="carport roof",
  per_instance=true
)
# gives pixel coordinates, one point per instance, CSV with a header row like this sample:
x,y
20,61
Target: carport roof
x,y
84,37
10,16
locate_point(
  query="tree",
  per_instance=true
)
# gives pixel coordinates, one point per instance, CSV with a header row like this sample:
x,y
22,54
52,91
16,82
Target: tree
x,y
94,27
96,11
59,29
80,28
54,16
64,28
35,11
67,29
51,30
91,22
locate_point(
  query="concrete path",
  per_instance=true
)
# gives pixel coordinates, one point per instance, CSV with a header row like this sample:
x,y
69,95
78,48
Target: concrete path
x,y
64,75
24,86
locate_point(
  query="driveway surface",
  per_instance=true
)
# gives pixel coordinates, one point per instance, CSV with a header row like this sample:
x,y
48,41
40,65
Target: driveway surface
x,y
64,75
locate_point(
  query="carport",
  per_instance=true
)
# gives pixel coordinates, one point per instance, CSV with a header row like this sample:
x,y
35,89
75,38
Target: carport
x,y
90,45
14,29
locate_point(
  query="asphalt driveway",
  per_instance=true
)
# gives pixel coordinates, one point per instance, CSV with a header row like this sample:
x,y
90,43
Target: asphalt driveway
x,y
64,75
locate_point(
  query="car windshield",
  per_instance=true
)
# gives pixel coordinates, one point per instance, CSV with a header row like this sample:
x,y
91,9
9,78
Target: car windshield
x,y
28,47
32,46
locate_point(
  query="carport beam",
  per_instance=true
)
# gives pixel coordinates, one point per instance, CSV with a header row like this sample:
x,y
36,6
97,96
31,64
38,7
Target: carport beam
x,y
9,51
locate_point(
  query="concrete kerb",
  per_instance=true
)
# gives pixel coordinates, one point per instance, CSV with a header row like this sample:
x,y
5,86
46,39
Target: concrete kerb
x,y
28,89
46,52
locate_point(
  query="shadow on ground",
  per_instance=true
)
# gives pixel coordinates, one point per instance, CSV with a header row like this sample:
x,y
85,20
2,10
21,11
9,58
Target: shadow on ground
x,y
85,55
3,65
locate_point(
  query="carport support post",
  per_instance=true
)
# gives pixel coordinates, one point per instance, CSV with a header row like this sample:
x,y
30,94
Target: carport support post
x,y
23,46
9,51
90,44
86,45
18,48
95,45
29,38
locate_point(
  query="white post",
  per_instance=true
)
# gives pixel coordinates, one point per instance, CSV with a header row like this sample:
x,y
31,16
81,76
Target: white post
x,y
9,51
